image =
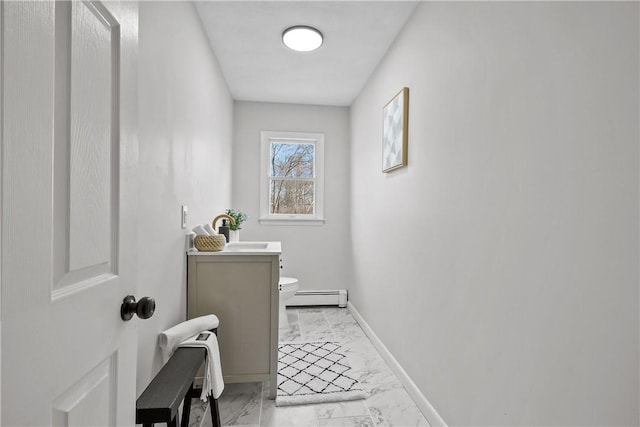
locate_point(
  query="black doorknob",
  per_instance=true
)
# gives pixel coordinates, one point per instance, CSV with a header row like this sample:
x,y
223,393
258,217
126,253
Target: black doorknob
x,y
143,308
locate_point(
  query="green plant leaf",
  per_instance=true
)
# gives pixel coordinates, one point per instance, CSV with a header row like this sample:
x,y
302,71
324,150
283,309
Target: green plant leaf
x,y
238,216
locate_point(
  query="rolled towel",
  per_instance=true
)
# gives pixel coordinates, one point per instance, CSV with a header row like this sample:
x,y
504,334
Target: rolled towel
x,y
170,338
213,382
190,236
200,231
210,229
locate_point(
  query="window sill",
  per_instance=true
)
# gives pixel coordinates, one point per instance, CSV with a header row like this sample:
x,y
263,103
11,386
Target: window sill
x,y
291,221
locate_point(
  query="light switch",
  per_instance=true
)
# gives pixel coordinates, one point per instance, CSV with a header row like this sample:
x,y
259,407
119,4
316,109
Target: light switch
x,y
184,216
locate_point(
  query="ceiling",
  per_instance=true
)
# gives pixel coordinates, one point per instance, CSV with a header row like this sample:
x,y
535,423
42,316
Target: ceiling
x,y
246,39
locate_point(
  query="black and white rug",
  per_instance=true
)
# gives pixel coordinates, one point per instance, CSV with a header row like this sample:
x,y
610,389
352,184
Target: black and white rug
x,y
314,372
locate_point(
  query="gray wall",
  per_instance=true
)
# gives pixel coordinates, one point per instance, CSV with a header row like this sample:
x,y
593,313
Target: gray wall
x,y
185,158
318,255
506,282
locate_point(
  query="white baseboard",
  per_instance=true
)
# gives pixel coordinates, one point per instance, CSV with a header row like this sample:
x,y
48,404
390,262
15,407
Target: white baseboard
x,y
422,403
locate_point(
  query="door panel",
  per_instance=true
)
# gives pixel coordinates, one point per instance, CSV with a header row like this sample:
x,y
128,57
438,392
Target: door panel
x,y
86,141
68,198
93,58
91,401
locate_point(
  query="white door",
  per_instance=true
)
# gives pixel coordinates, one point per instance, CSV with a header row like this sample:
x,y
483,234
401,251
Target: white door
x,y
69,155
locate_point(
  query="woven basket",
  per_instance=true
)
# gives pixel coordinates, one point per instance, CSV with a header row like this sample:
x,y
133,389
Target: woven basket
x,y
210,243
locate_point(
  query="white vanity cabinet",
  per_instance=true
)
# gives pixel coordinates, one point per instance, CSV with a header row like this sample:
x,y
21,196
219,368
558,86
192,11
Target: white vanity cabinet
x,y
241,288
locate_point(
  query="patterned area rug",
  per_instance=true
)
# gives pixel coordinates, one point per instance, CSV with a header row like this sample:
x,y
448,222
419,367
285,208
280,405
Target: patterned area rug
x,y
314,372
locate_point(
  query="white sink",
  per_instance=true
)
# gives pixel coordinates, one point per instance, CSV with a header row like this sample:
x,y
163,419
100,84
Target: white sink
x,y
243,248
246,246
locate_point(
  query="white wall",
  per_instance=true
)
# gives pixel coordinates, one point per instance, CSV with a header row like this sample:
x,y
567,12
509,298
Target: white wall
x,y
508,282
185,158
317,255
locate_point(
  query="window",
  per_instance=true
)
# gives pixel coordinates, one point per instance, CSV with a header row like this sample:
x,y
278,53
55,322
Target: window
x,y
292,178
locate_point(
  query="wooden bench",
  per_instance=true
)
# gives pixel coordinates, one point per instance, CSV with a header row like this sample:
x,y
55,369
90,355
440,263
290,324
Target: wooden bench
x,y
159,402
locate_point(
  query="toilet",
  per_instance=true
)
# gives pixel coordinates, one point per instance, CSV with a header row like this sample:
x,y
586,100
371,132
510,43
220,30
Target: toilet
x,y
288,287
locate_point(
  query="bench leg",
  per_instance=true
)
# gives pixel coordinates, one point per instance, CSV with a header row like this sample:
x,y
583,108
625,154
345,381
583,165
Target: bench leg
x,y
173,422
215,411
186,407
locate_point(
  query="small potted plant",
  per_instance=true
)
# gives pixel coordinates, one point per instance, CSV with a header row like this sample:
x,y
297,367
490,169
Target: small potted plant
x,y
239,218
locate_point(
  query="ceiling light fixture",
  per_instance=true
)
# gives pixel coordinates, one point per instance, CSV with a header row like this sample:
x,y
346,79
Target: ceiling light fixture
x,y
302,38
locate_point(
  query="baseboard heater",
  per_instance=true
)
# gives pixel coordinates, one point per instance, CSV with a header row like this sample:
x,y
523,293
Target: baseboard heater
x,y
334,297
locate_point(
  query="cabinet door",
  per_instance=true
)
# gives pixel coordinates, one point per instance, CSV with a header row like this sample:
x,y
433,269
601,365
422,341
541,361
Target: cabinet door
x,y
239,293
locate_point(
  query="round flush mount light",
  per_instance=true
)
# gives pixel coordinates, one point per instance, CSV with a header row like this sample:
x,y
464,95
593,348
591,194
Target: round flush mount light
x,y
302,38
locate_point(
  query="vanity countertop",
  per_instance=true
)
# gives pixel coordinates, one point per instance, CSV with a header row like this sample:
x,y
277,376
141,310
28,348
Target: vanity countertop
x,y
244,248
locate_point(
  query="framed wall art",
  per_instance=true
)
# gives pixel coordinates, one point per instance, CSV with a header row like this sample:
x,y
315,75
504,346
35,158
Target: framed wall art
x,y
395,128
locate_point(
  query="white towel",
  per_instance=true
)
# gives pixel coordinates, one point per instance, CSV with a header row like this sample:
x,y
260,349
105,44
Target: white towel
x,y
170,338
213,383
210,229
200,231
190,236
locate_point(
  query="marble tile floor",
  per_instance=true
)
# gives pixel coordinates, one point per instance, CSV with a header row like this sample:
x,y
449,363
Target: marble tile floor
x,y
388,403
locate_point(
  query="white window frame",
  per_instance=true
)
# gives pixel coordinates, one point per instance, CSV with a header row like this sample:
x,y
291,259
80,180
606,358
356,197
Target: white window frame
x,y
317,139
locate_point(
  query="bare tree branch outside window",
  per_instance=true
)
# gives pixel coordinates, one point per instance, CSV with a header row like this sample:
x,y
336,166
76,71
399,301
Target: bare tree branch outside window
x,y
292,185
